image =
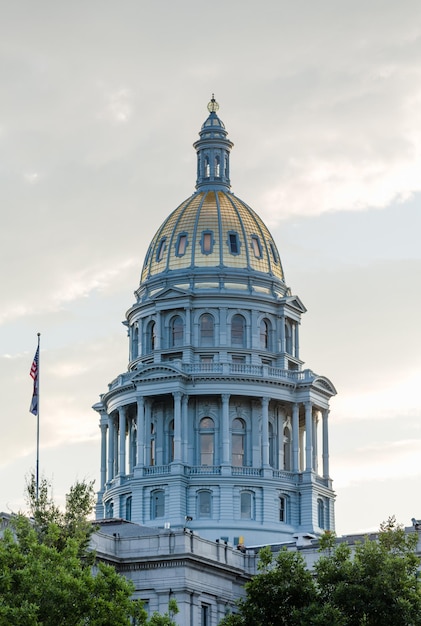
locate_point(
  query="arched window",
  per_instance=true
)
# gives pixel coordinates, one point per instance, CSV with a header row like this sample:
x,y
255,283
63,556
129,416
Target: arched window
x,y
287,449
238,330
264,334
109,510
153,445
171,441
206,330
157,504
151,337
207,439
207,167
246,505
176,331
288,338
129,508
321,513
217,167
204,504
238,442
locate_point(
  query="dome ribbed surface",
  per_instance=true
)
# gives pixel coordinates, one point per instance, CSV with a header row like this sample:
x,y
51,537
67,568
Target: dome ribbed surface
x,y
212,229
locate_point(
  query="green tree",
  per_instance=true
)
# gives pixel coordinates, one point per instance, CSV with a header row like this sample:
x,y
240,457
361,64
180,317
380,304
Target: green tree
x,y
49,577
279,595
374,585
378,583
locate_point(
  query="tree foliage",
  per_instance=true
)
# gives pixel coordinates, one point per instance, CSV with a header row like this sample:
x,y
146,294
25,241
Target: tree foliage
x,y
49,577
375,584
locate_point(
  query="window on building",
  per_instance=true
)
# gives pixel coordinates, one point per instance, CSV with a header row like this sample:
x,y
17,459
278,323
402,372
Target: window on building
x,y
204,504
288,337
272,446
161,249
274,254
256,246
207,242
129,508
321,513
205,615
157,504
207,438
264,334
282,509
181,245
233,243
238,330
152,449
109,510
246,505
206,330
287,449
207,167
171,441
151,337
238,441
217,167
176,331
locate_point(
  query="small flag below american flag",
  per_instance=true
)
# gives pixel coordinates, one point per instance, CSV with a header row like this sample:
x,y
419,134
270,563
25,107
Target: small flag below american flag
x,y
34,375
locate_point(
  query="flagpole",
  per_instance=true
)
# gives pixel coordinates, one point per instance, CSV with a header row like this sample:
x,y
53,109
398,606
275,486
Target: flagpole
x,y
37,462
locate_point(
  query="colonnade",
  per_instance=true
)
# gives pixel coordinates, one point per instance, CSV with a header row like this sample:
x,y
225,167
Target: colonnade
x,y
126,431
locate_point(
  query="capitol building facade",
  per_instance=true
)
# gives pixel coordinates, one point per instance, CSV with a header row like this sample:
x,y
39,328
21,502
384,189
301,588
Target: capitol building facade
x,y
216,435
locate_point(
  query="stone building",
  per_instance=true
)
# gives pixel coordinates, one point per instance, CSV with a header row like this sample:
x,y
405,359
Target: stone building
x,y
216,427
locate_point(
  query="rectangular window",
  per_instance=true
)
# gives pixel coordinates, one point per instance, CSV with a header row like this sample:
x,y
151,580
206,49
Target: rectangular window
x,y
205,618
233,243
182,243
257,248
207,243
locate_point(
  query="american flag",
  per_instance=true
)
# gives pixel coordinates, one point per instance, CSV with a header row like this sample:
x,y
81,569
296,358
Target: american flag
x,y
34,375
34,367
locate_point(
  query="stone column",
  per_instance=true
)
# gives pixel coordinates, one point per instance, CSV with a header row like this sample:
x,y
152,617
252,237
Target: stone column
x,y
140,432
177,426
315,422
297,340
309,436
265,432
225,430
122,437
104,427
325,415
295,437
131,446
185,428
111,440
148,419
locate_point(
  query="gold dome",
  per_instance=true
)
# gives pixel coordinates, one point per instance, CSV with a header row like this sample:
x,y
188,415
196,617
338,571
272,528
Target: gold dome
x,y
212,229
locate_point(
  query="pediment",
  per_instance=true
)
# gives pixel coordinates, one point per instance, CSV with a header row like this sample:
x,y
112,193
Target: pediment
x,y
325,384
295,303
158,370
168,293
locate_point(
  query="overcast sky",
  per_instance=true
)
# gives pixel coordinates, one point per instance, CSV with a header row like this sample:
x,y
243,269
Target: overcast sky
x,y
100,103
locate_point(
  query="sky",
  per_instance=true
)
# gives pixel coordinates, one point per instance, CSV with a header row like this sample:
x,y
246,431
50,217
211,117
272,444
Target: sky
x,y
100,103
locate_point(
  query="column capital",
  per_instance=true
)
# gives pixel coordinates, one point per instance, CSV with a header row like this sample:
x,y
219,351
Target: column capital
x,y
265,401
177,395
225,397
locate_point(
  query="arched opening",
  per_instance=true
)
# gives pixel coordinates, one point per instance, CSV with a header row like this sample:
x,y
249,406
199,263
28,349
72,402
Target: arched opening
x,y
206,330
176,331
238,442
207,441
238,331
204,504
157,504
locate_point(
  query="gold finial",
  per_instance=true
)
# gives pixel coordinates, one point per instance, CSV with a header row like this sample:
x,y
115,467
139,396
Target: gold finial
x,y
213,106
